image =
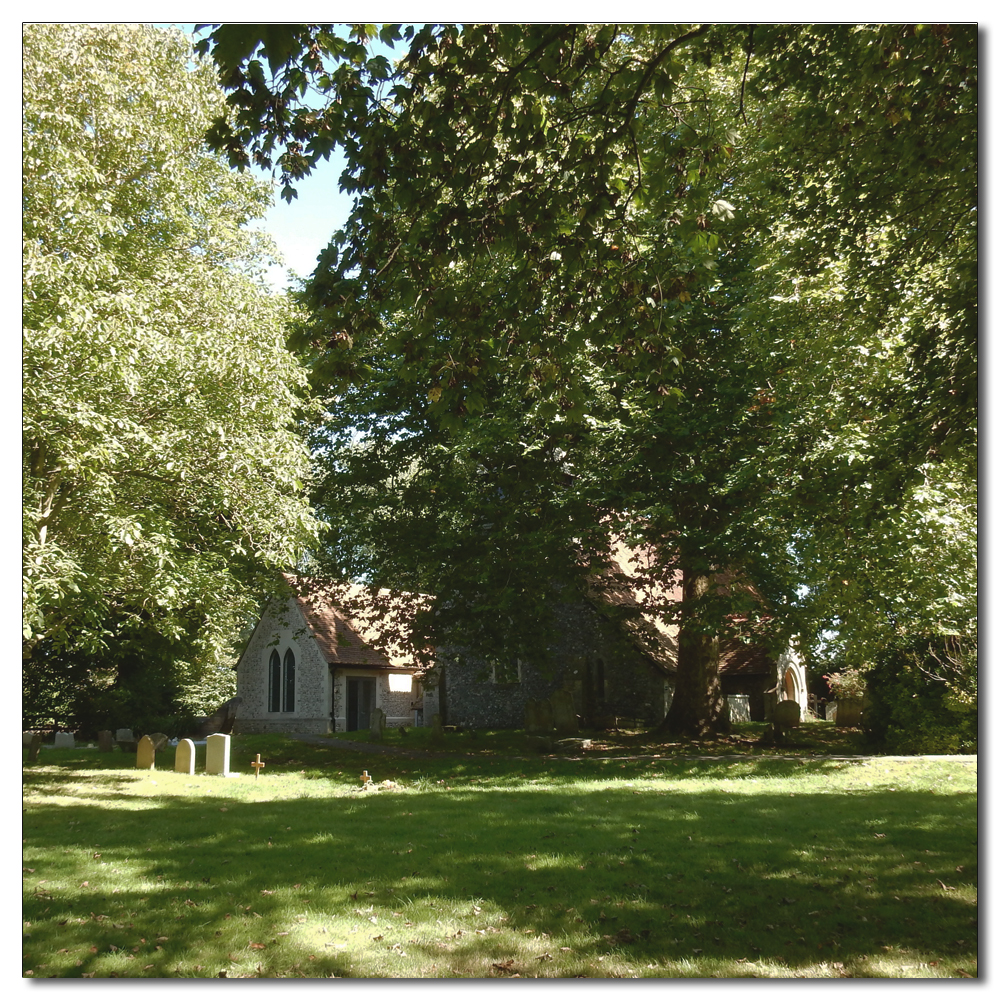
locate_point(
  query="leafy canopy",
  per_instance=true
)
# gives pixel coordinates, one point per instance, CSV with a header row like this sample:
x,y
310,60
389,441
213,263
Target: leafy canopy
x,y
162,466
721,277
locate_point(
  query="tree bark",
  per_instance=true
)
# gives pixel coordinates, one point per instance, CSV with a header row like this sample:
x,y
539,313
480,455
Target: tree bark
x,y
698,707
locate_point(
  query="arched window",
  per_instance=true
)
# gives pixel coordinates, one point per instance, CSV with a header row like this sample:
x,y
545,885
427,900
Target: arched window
x,y
288,693
274,682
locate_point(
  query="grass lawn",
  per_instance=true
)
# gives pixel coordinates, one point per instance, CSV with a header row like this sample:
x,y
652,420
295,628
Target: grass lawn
x,y
477,864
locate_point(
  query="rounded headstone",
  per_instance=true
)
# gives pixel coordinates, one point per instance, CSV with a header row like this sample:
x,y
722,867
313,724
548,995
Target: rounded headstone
x,y
786,714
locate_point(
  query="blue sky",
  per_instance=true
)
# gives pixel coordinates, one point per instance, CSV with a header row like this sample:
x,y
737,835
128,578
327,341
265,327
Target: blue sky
x,y
304,227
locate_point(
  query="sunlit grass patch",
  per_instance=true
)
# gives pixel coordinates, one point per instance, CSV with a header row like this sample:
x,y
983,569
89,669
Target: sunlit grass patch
x,y
784,868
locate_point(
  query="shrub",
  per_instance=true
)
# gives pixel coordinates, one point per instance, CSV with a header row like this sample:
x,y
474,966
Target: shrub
x,y
924,697
849,683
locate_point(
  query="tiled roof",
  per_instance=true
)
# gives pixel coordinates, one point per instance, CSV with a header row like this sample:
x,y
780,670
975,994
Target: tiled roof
x,y
357,627
738,659
624,585
353,626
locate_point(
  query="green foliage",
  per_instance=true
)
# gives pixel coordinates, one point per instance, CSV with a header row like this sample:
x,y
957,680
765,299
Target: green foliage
x,y
163,471
713,286
146,682
848,683
924,697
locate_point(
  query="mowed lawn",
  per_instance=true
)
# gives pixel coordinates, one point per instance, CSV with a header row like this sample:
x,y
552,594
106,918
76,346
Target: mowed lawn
x,y
481,865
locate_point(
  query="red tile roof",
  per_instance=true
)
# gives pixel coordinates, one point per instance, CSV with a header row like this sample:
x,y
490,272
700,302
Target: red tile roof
x,y
357,627
624,584
353,626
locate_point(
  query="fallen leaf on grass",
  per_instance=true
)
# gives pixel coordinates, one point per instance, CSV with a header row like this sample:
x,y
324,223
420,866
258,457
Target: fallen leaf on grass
x,y
259,947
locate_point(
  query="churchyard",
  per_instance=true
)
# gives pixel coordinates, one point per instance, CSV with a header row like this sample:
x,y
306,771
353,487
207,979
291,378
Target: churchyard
x,y
468,858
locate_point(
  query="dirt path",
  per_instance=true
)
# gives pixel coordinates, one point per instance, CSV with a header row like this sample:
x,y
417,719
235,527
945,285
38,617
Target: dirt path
x,y
392,751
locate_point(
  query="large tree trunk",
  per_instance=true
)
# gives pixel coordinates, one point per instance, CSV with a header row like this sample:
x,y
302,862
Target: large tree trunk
x,y
698,707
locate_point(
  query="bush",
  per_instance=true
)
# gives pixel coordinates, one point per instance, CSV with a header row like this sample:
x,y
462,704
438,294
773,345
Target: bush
x,y
924,697
849,683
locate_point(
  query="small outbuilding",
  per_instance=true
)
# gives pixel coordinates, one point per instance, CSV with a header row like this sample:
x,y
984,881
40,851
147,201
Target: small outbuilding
x,y
311,666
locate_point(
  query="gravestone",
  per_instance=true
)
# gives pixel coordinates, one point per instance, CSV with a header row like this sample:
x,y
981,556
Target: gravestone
x,y
34,746
786,714
564,719
847,713
65,741
145,755
160,740
538,717
739,707
126,741
221,721
217,754
377,724
105,741
184,757
437,729
26,738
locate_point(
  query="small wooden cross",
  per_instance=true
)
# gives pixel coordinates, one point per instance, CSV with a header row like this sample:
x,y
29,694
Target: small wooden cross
x,y
257,765
365,778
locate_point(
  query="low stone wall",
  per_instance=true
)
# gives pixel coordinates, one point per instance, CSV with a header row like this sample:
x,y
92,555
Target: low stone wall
x,y
311,726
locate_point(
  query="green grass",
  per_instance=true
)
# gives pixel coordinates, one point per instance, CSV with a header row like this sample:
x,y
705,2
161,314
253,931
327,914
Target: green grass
x,y
482,866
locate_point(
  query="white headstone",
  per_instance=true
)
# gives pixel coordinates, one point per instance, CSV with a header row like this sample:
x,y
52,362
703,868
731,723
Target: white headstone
x,y
217,754
65,741
184,757
124,734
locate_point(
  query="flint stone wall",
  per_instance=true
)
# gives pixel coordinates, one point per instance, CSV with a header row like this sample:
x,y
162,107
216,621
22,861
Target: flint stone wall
x,y
583,643
282,627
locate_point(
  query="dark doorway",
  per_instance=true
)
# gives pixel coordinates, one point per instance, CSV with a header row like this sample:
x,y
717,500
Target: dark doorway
x,y
360,702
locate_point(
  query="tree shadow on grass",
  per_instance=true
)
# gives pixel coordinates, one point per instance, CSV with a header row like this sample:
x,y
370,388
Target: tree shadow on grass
x,y
611,873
